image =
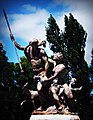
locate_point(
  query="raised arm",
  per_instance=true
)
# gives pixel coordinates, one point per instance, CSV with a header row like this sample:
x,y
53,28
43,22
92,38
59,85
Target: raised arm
x,y
16,44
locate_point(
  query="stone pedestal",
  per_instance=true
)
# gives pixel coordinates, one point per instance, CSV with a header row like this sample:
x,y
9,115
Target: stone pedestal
x,y
55,117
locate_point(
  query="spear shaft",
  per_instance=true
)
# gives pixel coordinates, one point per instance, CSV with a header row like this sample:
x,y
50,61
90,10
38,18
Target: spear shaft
x,y
6,18
7,21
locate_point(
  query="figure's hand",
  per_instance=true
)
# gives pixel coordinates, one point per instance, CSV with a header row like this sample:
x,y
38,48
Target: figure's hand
x,y
12,37
40,69
42,76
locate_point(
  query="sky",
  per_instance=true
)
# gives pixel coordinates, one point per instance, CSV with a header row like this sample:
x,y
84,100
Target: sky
x,y
28,19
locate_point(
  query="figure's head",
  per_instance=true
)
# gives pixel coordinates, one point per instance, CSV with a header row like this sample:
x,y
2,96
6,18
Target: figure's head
x,y
58,56
37,42
33,42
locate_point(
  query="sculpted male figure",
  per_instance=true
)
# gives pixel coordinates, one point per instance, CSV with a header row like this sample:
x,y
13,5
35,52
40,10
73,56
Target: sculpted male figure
x,y
35,55
60,76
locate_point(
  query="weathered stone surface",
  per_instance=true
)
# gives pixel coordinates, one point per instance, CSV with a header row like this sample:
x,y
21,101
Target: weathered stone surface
x,y
54,117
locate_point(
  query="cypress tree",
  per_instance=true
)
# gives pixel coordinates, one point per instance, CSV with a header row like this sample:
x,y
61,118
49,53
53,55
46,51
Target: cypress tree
x,y
3,65
53,34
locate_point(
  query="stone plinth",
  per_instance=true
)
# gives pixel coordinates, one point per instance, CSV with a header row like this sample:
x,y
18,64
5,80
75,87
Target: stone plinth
x,y
54,117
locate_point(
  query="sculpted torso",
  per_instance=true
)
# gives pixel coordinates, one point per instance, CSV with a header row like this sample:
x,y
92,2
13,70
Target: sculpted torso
x,y
36,59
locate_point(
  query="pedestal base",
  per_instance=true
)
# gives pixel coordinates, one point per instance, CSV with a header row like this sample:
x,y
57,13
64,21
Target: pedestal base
x,y
54,117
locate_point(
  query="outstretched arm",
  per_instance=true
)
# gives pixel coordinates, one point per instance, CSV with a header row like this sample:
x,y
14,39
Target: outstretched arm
x,y
16,44
75,89
53,76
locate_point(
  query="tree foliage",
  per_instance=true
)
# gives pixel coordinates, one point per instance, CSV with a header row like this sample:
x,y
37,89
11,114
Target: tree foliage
x,y
11,83
75,37
91,67
53,34
3,64
26,75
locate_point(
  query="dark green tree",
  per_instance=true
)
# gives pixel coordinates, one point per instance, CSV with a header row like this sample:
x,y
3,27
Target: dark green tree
x,y
75,37
53,35
26,75
11,93
91,67
6,68
3,64
7,101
